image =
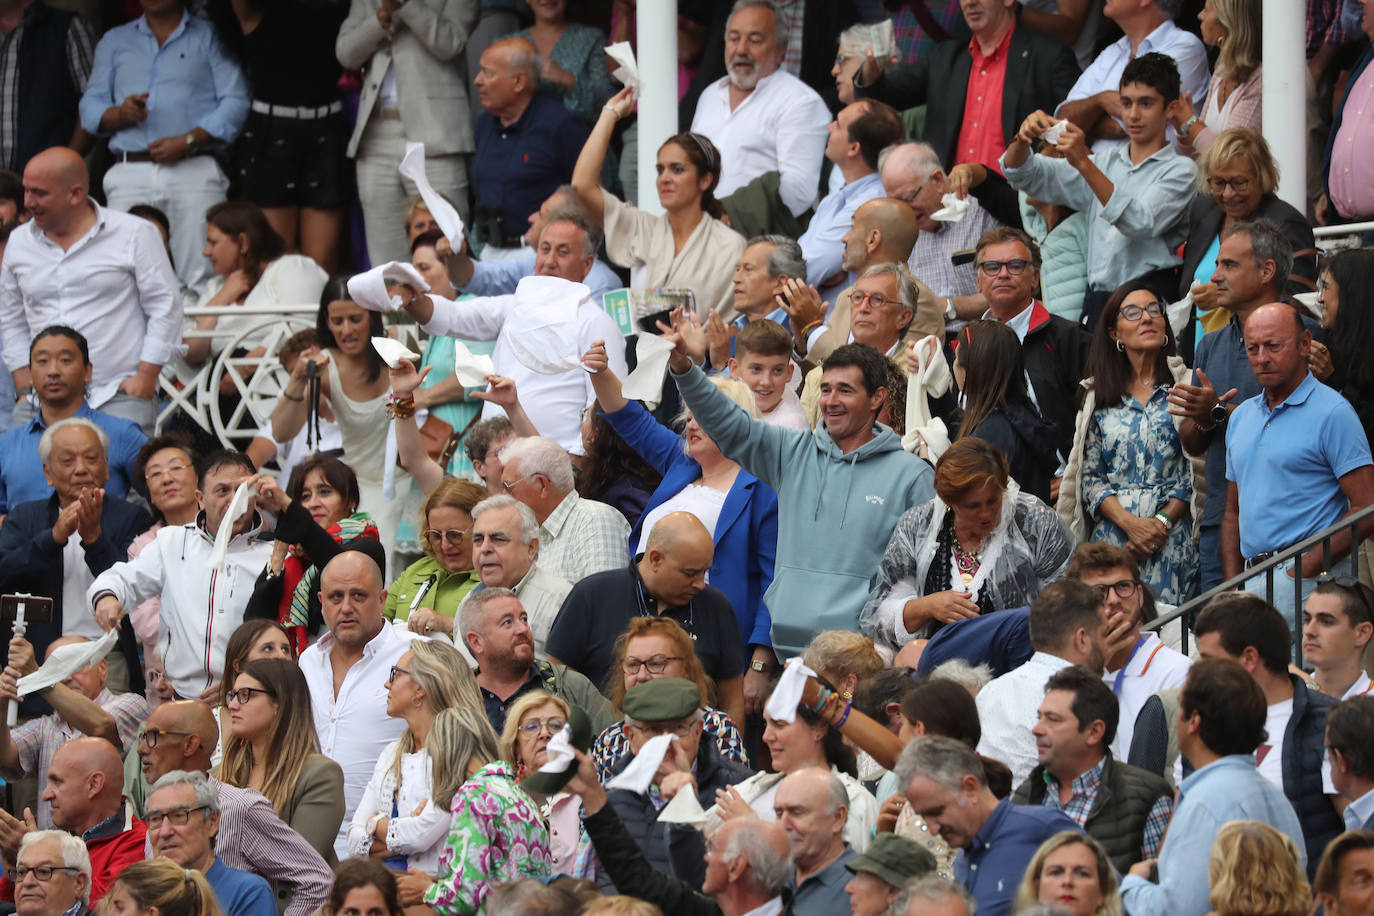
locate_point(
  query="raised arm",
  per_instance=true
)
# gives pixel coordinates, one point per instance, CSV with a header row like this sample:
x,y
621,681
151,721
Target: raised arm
x,y
586,179
604,381
410,448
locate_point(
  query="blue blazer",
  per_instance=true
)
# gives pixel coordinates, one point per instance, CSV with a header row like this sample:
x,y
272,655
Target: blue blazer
x,y
746,534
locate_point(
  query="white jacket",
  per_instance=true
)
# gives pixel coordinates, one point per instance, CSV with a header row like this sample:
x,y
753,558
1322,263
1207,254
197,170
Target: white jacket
x,y
201,607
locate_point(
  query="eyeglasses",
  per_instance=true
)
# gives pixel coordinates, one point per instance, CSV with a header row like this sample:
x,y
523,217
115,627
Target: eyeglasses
x,y
151,736
910,199
859,297
1134,312
178,816
1016,267
533,727
1239,185
41,872
652,730
510,485
656,664
395,670
244,694
452,535
169,470
1124,589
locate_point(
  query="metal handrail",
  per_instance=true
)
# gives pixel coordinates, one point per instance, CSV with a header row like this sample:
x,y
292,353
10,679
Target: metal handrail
x,y
1188,609
1341,229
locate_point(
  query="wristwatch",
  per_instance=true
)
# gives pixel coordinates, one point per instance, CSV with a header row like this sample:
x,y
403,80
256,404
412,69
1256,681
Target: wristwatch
x,y
950,313
1187,126
190,142
1218,415
761,667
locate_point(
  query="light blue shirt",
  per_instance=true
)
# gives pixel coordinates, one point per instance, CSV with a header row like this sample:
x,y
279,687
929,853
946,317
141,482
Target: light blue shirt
x,y
1229,789
1358,812
820,243
1299,449
499,277
191,82
1142,224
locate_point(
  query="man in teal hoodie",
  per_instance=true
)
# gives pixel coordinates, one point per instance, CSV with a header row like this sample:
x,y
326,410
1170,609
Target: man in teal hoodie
x,y
841,489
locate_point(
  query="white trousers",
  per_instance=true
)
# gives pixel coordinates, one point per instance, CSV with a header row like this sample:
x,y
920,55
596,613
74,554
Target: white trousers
x,y
385,195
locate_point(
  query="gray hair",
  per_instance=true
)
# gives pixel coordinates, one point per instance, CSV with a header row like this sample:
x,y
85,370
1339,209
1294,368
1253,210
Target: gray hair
x,y
786,258
529,524
540,455
944,761
527,61
530,897
45,441
915,155
572,211
206,795
474,607
931,889
1267,242
770,871
780,33
973,678
74,852
908,287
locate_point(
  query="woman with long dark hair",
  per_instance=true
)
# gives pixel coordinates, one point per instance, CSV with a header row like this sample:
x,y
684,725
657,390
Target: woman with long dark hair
x,y
991,372
1128,481
688,247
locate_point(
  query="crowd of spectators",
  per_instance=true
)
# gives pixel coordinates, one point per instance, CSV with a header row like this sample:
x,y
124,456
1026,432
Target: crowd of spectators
x,y
809,542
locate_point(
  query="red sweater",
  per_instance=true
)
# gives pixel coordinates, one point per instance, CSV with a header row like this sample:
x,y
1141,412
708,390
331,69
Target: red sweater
x,y
110,852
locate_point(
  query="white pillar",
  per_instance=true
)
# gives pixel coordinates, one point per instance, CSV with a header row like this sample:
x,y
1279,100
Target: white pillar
x,y
656,46
1285,96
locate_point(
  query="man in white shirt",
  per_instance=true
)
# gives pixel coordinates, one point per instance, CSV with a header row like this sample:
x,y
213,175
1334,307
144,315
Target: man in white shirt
x,y
855,138
1094,102
1350,739
761,118
528,327
125,303
1336,627
1067,627
348,670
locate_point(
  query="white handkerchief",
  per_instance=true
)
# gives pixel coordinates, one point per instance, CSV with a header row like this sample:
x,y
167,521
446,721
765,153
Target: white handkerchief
x,y
65,661
683,809
392,351
369,289
450,223
1309,302
1052,133
560,752
782,705
471,368
646,382
542,327
931,380
628,71
237,506
639,775
953,209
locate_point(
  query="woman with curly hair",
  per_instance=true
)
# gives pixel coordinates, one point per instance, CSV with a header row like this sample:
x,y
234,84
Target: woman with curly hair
x,y
1256,871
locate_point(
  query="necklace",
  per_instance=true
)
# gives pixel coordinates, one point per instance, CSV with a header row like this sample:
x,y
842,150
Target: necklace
x,y
966,560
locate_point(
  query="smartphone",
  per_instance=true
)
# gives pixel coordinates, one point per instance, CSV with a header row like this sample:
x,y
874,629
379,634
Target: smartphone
x,y
36,607
649,323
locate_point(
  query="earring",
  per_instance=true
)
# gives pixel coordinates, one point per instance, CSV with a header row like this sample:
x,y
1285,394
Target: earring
x,y
848,695
1120,347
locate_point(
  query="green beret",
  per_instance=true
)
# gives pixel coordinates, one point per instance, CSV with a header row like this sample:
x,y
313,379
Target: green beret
x,y
895,859
663,699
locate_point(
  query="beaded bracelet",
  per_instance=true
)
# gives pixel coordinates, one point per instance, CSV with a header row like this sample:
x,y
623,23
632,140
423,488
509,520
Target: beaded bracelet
x,y
401,408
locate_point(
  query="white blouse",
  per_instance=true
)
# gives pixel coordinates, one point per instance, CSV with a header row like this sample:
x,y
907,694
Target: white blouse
x,y
420,837
698,499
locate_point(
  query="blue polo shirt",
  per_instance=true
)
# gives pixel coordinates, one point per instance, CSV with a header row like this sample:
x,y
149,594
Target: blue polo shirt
x,y
241,893
21,471
994,862
1287,463
517,167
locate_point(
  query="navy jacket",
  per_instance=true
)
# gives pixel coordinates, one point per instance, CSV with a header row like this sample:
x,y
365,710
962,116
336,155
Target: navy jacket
x,y
31,561
1001,639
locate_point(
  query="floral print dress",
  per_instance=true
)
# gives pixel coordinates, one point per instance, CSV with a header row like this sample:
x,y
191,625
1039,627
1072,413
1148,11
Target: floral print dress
x,y
496,835
1133,453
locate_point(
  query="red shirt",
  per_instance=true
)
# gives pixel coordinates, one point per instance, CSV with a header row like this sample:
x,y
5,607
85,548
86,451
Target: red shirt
x,y
980,136
119,843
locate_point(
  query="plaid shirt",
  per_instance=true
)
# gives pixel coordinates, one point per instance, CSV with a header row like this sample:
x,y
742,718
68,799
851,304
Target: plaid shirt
x,y
80,46
1084,793
1324,25
793,13
582,537
38,739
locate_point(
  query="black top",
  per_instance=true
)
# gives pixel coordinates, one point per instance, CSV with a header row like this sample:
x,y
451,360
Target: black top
x,y
289,58
1028,440
600,607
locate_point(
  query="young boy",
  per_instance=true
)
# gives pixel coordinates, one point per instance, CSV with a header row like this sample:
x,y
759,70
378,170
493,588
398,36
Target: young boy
x,y
1135,198
1337,625
763,361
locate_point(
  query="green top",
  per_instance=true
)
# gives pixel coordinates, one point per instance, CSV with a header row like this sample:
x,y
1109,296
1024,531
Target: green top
x,y
442,591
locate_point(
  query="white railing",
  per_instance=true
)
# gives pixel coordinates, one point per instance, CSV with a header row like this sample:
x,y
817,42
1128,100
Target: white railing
x,y
1332,239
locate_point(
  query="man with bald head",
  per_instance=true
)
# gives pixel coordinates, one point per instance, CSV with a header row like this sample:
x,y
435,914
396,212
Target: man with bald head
x,y
523,143
668,580
126,284
85,789
346,669
748,861
1297,438
81,705
812,805
181,735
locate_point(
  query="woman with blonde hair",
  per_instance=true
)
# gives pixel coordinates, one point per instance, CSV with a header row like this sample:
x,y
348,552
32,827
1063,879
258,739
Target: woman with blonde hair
x,y
531,723
426,596
659,647
495,830
1256,871
843,659
160,887
1070,871
395,820
272,747
620,905
1235,27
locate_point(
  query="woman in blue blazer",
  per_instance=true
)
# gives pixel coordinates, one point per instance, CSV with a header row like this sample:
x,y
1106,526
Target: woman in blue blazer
x,y
740,510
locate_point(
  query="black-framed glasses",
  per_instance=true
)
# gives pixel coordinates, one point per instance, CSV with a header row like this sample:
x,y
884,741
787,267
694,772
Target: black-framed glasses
x,y
1136,312
656,664
151,736
1016,267
1124,588
1239,185
41,872
395,670
178,816
532,727
243,694
452,535
877,300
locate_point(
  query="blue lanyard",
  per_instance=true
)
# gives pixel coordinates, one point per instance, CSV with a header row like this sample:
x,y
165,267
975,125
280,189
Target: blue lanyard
x,y
1120,675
